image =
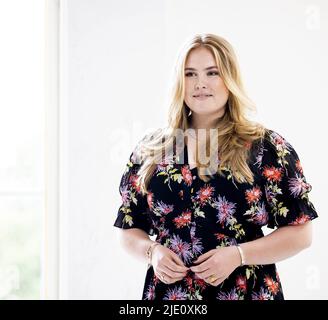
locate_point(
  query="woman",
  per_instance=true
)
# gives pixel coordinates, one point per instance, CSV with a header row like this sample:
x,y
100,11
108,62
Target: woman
x,y
207,212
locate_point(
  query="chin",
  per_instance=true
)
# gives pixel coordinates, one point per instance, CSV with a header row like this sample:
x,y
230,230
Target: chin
x,y
204,111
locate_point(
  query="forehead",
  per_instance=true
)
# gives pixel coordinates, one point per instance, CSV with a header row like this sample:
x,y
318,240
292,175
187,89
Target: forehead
x,y
200,58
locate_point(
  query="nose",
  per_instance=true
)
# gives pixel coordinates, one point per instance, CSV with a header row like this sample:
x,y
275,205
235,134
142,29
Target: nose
x,y
200,85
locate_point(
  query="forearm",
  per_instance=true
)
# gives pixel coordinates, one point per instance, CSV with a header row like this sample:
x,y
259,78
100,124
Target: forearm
x,y
135,241
280,244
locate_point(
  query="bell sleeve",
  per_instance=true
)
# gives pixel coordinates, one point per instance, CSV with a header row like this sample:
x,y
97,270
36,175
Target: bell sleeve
x,y
134,210
286,188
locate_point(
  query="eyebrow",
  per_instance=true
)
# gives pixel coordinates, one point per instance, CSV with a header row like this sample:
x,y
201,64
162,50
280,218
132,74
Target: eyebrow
x,y
208,68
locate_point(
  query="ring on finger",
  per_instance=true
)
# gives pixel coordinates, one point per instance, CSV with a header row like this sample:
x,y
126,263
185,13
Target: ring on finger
x,y
211,279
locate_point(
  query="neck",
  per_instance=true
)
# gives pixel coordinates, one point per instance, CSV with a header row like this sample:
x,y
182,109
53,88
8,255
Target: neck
x,y
203,122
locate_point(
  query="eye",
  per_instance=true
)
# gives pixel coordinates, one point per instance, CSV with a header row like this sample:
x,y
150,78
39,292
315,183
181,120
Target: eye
x,y
188,74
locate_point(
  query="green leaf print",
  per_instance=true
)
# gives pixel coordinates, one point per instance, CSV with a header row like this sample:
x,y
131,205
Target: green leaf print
x,y
128,219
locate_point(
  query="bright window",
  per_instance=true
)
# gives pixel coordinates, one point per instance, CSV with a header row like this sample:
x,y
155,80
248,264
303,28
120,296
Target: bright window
x,y
21,147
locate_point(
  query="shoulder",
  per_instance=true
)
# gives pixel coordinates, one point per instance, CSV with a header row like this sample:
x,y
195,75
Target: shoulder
x,y
276,140
273,148
277,150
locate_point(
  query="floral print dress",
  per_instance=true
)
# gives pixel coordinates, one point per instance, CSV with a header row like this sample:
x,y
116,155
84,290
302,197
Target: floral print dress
x,y
190,217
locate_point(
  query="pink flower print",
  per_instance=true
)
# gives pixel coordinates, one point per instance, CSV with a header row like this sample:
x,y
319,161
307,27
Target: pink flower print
x,y
177,293
161,208
260,215
181,248
298,186
263,294
225,209
231,295
126,195
150,293
279,141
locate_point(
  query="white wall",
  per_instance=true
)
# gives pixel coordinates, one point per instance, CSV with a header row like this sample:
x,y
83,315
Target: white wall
x,y
117,58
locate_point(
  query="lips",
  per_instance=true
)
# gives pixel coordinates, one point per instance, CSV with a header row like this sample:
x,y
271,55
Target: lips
x,y
202,95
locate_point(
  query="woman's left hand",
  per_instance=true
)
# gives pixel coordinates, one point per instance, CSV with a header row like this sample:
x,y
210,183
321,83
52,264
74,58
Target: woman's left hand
x,y
218,263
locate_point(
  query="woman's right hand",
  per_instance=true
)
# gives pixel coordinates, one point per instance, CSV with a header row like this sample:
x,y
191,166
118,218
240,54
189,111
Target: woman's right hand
x,y
167,263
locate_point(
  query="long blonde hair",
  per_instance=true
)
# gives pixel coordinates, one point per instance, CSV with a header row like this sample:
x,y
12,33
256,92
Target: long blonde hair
x,y
235,132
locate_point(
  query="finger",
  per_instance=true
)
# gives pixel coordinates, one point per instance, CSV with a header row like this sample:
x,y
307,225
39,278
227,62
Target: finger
x,y
200,268
172,274
175,267
208,273
167,278
204,256
179,263
217,281
160,274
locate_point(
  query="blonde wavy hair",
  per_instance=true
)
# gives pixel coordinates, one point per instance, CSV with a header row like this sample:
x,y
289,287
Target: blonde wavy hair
x,y
235,132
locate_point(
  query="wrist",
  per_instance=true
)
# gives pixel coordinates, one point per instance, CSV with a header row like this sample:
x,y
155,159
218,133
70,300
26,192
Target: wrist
x,y
150,250
241,255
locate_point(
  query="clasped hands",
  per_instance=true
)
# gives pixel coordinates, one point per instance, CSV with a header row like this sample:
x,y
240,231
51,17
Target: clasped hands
x,y
217,264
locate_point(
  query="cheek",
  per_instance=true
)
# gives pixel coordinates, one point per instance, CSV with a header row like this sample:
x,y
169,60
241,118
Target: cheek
x,y
221,88
188,91
188,86
219,83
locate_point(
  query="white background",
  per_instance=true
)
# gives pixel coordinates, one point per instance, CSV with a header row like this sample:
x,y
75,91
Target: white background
x,y
117,59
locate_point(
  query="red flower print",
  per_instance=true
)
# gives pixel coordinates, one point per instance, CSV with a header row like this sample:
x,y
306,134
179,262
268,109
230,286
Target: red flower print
x,y
220,236
150,199
272,285
299,166
186,174
300,220
253,195
205,193
188,280
200,283
183,220
241,283
155,279
133,181
272,173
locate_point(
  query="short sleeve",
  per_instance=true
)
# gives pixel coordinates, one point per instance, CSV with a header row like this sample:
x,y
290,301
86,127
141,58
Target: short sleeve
x,y
134,210
286,188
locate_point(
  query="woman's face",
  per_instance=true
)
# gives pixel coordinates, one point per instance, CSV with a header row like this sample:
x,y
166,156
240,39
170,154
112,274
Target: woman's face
x,y
202,78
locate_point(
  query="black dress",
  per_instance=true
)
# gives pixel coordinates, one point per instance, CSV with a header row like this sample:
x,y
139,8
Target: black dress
x,y
191,217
